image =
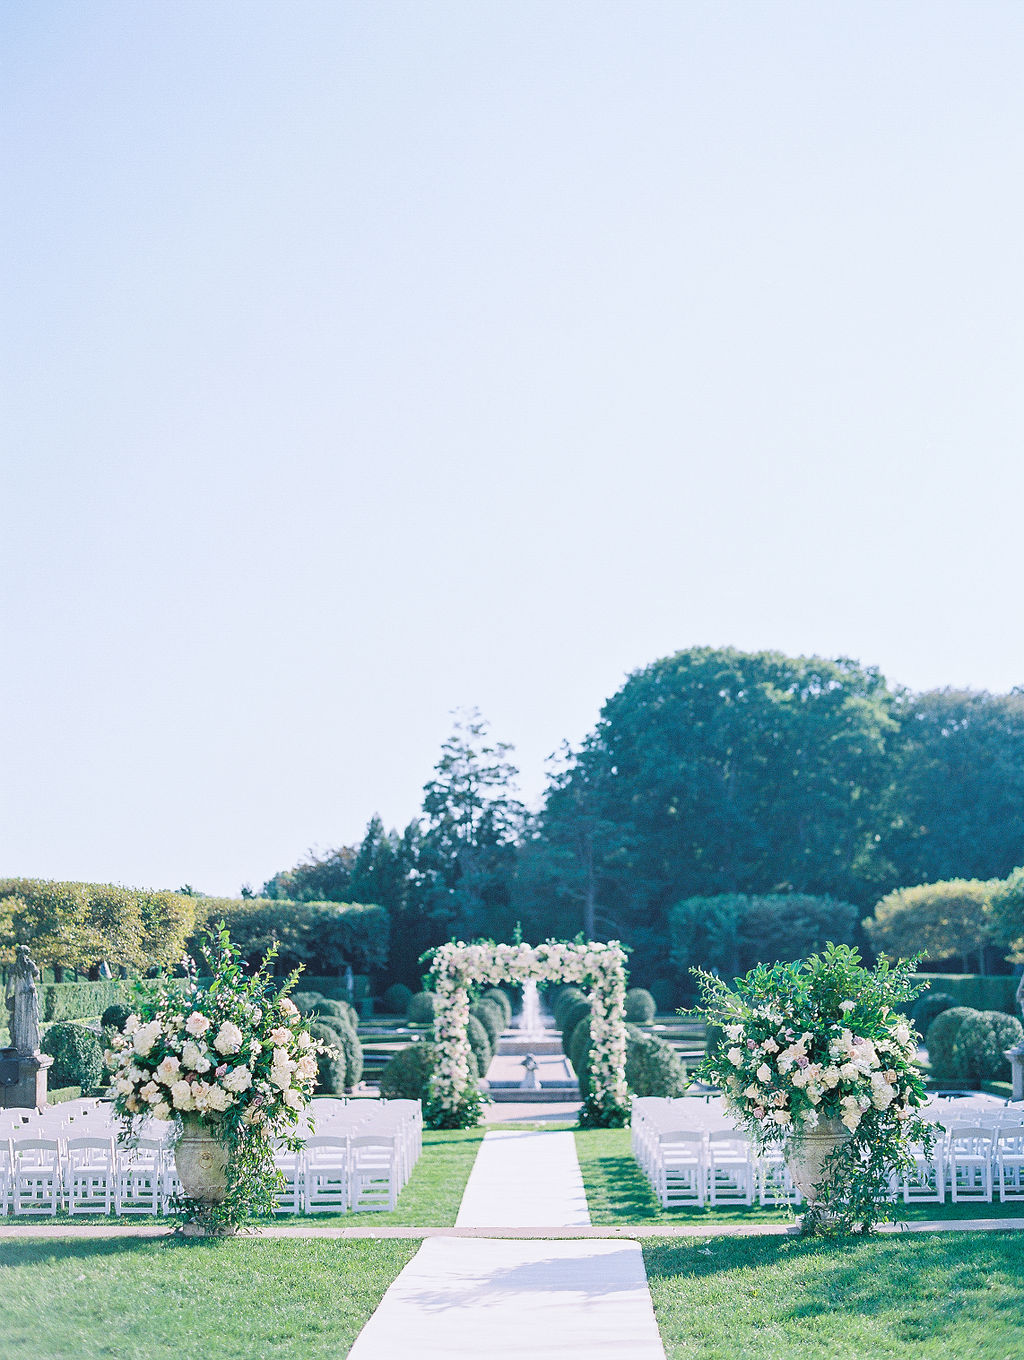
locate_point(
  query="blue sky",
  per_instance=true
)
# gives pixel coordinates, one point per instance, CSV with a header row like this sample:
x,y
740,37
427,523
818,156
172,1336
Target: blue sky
x,y
364,361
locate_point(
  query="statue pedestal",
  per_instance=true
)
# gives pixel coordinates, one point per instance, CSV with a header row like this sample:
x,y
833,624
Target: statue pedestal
x,y
23,1079
1016,1057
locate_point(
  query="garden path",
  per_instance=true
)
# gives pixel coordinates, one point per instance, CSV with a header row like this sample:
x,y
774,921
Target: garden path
x,y
524,1179
510,1298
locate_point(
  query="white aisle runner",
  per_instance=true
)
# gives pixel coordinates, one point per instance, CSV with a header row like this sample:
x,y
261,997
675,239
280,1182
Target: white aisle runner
x,y
519,1300
516,1300
525,1180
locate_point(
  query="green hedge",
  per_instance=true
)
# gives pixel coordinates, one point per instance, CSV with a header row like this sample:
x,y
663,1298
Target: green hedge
x,y
981,993
75,1000
322,936
334,987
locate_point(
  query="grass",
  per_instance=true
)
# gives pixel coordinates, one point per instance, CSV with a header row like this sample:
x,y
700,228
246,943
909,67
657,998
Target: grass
x,y
166,1300
618,1192
950,1296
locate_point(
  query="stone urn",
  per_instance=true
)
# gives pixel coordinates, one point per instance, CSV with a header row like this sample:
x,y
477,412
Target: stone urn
x,y
201,1160
806,1157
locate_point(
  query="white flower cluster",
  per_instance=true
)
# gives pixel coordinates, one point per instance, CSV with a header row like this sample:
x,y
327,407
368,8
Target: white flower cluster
x,y
191,1059
791,1079
599,967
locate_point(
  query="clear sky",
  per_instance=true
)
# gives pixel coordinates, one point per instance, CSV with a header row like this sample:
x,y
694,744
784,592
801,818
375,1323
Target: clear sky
x,y
365,360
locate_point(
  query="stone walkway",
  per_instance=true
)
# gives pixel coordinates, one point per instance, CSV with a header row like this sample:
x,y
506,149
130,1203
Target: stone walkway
x,y
525,1179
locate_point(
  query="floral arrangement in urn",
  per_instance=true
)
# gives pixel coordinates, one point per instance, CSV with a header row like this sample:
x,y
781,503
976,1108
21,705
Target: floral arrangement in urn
x,y
816,1056
228,1060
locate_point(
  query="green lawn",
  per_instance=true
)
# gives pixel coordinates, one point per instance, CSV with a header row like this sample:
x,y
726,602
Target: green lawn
x,y
949,1296
242,1299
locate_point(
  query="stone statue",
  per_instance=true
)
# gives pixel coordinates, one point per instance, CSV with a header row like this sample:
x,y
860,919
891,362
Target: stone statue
x,y
1020,995
23,1003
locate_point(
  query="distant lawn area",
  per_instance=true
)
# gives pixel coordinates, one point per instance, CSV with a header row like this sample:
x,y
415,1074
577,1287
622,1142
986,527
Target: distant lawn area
x,y
618,1192
165,1300
948,1296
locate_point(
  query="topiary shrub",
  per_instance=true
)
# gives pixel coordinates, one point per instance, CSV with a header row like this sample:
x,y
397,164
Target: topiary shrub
x,y
407,1074
578,1051
479,1043
572,1014
653,1068
501,1000
422,1008
491,1017
930,1005
564,999
306,1002
348,1041
396,999
115,1016
639,1006
331,1065
980,1043
76,1053
940,1038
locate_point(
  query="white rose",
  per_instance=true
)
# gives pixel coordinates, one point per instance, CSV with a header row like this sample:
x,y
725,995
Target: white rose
x,y
151,1092
290,1009
181,1095
238,1079
145,1037
294,1100
306,1066
197,1024
764,1074
851,1118
735,1056
229,1038
193,1058
280,1035
161,1110
782,1117
131,1024
218,1100
167,1071
845,1006
304,1040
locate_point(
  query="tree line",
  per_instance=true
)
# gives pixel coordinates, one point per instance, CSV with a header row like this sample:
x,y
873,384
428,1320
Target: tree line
x,y
711,774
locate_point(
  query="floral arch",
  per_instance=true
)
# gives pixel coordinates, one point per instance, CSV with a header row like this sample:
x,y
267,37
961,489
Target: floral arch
x,y
599,968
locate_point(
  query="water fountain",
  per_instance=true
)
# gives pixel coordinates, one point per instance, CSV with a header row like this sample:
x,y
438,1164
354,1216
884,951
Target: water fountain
x,y
529,1063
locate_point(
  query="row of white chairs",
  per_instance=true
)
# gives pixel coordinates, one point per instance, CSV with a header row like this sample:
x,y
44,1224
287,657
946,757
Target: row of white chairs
x,y
358,1156
689,1165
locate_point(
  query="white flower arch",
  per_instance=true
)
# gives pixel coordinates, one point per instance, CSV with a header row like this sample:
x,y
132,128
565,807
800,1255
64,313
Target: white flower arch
x,y
601,968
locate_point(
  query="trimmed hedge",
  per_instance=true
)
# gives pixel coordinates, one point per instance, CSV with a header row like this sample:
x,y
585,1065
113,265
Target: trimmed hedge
x,y
571,1014
334,987
491,1017
479,1043
940,1038
653,1068
348,1040
980,992
77,1055
115,1016
501,1000
980,1043
563,1000
332,1065
422,1008
639,1006
396,999
407,1074
928,1007
75,1000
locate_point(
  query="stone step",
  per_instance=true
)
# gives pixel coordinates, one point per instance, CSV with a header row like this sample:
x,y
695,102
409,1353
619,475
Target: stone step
x,y
568,1091
512,1045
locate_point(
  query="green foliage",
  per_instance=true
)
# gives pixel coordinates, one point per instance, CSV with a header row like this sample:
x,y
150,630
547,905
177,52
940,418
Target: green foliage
x,y
306,1002
78,924
982,992
422,1008
980,1043
1007,914
639,1006
565,998
480,1043
940,1038
665,993
653,1068
407,1074
115,1016
331,1062
734,932
491,1016
571,1014
396,999
320,936
940,920
77,1055
929,1006
501,1000
578,1048
75,1000
348,1041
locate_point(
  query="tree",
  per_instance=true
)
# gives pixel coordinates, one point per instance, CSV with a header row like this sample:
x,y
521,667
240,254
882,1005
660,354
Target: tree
x,y
473,824
960,779
321,878
1007,915
944,920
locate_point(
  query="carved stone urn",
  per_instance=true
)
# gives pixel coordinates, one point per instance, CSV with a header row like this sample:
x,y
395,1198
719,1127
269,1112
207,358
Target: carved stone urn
x,y
806,1157
201,1160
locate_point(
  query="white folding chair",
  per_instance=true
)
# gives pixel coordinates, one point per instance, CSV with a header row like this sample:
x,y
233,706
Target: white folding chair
x,y
730,1168
326,1175
680,1168
90,1175
927,1182
969,1160
1010,1162
140,1180
291,1166
775,1185
37,1176
375,1170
